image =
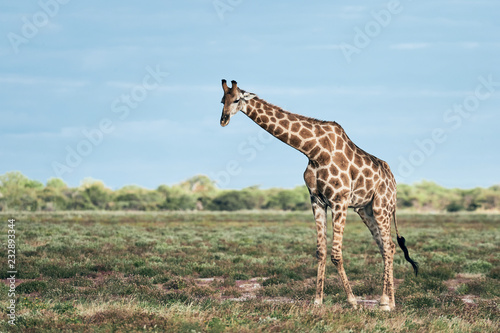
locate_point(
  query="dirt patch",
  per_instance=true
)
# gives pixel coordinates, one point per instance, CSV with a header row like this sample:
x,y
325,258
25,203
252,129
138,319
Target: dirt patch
x,y
462,279
207,281
367,303
250,289
246,289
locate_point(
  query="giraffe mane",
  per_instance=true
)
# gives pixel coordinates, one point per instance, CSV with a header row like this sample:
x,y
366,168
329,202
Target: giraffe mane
x,y
298,116
373,158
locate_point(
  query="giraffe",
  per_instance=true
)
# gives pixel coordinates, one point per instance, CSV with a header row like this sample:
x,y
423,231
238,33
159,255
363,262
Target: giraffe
x,y
339,175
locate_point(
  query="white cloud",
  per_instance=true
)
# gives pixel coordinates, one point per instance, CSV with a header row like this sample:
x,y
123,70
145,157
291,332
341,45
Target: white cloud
x,y
462,44
470,45
127,130
337,12
178,88
159,129
37,80
65,133
190,88
352,12
356,91
410,46
324,47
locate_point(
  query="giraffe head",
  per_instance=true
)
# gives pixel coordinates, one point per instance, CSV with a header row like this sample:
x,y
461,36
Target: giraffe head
x,y
234,100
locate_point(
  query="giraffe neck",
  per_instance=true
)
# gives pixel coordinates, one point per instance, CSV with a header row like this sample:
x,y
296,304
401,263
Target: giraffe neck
x,y
297,131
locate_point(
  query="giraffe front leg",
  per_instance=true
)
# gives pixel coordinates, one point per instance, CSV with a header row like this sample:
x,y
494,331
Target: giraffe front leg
x,y
320,217
339,212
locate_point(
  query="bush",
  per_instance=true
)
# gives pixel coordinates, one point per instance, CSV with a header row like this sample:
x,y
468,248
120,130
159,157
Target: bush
x,y
97,195
29,287
182,202
454,206
494,273
486,288
17,192
233,200
296,199
176,198
478,266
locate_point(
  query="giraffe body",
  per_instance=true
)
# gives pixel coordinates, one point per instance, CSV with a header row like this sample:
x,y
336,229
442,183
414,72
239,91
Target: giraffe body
x,y
339,175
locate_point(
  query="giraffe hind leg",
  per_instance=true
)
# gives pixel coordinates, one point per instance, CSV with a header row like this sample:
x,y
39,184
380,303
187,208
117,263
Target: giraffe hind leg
x,y
380,228
366,214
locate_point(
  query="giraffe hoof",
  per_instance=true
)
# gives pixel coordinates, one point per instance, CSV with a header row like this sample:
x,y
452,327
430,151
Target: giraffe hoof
x,y
385,307
318,302
353,303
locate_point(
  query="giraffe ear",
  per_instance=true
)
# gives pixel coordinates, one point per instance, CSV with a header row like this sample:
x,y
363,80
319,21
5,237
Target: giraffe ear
x,y
247,96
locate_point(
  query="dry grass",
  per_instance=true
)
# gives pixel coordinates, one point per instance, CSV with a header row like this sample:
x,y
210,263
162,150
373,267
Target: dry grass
x,y
249,272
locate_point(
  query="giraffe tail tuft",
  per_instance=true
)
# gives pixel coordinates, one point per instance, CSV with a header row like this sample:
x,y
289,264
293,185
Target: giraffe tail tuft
x,y
401,242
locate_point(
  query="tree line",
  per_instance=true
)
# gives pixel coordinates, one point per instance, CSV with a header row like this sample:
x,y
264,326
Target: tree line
x,y
19,193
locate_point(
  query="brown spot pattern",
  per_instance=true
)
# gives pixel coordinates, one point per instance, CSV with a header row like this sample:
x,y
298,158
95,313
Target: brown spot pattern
x,y
295,140
308,145
295,127
285,123
367,173
305,133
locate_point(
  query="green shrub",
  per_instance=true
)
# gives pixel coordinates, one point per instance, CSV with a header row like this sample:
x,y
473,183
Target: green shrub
x,y
182,202
199,192
178,283
239,276
494,273
486,288
233,200
370,286
442,272
216,325
147,271
420,301
60,271
280,279
478,266
454,206
29,287
296,199
63,308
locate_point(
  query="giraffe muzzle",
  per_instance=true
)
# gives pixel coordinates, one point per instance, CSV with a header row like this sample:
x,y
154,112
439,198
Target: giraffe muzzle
x,y
224,120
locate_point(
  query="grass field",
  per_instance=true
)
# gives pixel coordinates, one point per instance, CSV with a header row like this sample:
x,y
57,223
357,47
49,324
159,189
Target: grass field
x,y
244,272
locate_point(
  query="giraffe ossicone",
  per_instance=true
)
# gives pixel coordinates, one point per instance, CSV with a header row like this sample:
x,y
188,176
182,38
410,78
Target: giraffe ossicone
x,y
339,175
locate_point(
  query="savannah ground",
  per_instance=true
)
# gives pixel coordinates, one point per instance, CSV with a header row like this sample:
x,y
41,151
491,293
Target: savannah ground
x,y
244,272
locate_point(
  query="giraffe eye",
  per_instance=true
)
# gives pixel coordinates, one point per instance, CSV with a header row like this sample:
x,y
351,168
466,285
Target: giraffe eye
x,y
236,101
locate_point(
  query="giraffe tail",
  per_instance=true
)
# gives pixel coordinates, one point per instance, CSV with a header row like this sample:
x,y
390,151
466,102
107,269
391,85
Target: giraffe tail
x,y
401,243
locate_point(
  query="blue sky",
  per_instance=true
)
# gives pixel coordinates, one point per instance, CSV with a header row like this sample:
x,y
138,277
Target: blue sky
x,y
129,92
